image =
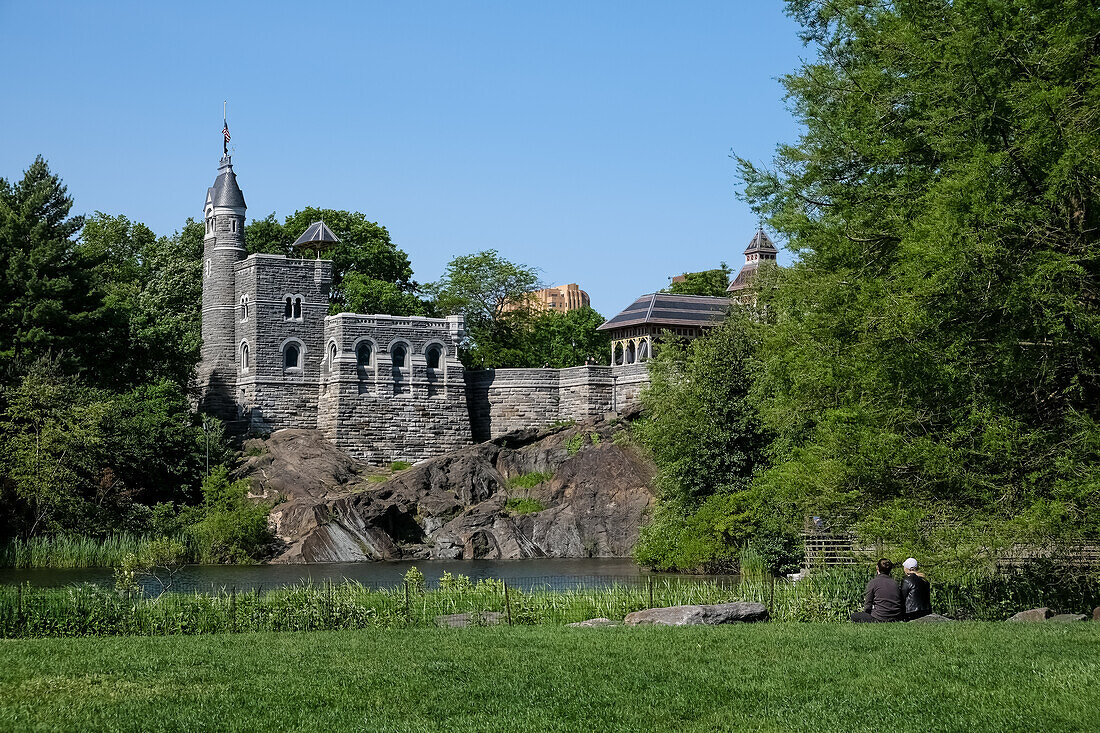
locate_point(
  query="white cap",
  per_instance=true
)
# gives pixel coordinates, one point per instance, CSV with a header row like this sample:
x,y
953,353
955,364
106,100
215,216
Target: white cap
x,y
910,564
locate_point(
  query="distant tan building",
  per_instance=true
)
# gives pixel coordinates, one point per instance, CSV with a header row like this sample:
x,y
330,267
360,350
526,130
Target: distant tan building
x,y
560,299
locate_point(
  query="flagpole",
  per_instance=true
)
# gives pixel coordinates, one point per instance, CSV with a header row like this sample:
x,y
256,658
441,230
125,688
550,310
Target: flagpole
x,y
225,126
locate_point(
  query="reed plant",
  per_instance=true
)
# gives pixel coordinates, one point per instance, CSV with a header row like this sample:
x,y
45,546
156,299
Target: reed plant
x,y
71,552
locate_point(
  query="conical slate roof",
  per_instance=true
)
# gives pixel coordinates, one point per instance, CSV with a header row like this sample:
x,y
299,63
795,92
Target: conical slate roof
x,y
225,191
316,235
761,242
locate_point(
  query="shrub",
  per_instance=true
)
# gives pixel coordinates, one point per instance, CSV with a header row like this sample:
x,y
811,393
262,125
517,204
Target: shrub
x,y
574,444
530,480
228,527
400,465
524,506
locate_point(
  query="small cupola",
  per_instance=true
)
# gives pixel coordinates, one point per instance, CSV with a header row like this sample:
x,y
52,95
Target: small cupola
x,y
316,238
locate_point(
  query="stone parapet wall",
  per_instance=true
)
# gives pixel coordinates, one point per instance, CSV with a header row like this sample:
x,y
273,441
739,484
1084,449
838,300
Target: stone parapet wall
x,y
380,411
629,382
503,400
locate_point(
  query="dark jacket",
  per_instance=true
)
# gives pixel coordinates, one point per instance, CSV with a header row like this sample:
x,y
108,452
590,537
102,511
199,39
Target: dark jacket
x,y
883,599
916,596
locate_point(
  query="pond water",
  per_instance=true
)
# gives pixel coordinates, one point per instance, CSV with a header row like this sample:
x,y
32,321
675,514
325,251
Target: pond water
x,y
531,573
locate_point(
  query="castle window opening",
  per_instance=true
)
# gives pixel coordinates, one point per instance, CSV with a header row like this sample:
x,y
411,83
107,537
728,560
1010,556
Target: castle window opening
x,y
244,358
433,356
331,354
244,307
618,354
286,309
643,351
630,353
292,357
363,354
298,308
399,355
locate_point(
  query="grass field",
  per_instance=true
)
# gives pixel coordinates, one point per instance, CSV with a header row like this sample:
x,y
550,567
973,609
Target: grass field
x,y
813,677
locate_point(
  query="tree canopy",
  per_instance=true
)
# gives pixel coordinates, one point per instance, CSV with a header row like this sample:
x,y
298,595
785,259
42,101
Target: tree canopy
x,y
929,366
708,282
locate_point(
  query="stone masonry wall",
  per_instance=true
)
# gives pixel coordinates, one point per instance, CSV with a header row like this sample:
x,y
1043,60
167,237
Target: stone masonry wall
x,y
502,400
271,395
381,410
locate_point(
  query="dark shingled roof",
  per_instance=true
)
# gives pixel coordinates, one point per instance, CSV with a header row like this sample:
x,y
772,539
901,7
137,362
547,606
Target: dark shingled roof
x,y
666,309
761,242
316,233
225,191
744,278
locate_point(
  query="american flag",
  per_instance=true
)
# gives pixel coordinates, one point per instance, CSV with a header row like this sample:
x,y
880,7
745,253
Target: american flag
x,y
225,131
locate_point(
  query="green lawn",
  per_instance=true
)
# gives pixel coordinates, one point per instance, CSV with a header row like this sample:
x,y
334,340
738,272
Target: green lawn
x,y
816,677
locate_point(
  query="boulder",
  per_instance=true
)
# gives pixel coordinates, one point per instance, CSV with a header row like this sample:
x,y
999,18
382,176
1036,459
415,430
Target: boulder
x,y
1033,614
465,620
932,618
1096,614
721,613
593,623
1065,618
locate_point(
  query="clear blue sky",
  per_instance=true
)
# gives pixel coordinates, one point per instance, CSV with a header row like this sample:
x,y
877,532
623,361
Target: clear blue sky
x,y
589,139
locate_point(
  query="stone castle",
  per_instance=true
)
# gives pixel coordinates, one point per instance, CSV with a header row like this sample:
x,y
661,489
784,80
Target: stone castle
x,y
383,388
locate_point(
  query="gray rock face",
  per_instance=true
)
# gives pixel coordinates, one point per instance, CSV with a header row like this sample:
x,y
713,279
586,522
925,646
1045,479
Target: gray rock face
x,y
1065,618
931,618
1096,614
456,506
594,623
721,613
1033,614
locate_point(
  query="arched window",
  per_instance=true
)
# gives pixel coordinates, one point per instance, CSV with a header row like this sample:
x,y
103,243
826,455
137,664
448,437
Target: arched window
x,y
244,358
292,357
363,354
643,351
399,355
298,308
286,309
244,307
433,356
331,354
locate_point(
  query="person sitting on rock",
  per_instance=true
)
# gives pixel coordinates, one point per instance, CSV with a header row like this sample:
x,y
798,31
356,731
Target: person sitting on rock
x,y
916,592
882,601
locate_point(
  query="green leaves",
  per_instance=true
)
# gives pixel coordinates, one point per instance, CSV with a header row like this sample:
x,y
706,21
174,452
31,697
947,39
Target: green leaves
x,y
937,341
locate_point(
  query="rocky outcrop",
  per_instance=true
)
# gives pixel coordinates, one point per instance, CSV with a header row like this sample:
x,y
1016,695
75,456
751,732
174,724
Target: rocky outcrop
x,y
1066,618
590,501
1032,614
719,613
931,618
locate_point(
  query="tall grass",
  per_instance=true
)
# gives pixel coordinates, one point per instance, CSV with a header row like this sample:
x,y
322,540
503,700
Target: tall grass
x,y
71,552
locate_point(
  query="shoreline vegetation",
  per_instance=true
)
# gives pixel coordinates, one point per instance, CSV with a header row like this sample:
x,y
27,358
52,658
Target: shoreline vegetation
x,y
59,552
825,596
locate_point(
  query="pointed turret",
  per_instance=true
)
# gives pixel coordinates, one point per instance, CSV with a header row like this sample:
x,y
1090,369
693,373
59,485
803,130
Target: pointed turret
x,y
223,248
761,249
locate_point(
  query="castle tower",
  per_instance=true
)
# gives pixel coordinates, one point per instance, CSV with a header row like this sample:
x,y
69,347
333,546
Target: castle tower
x,y
223,248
